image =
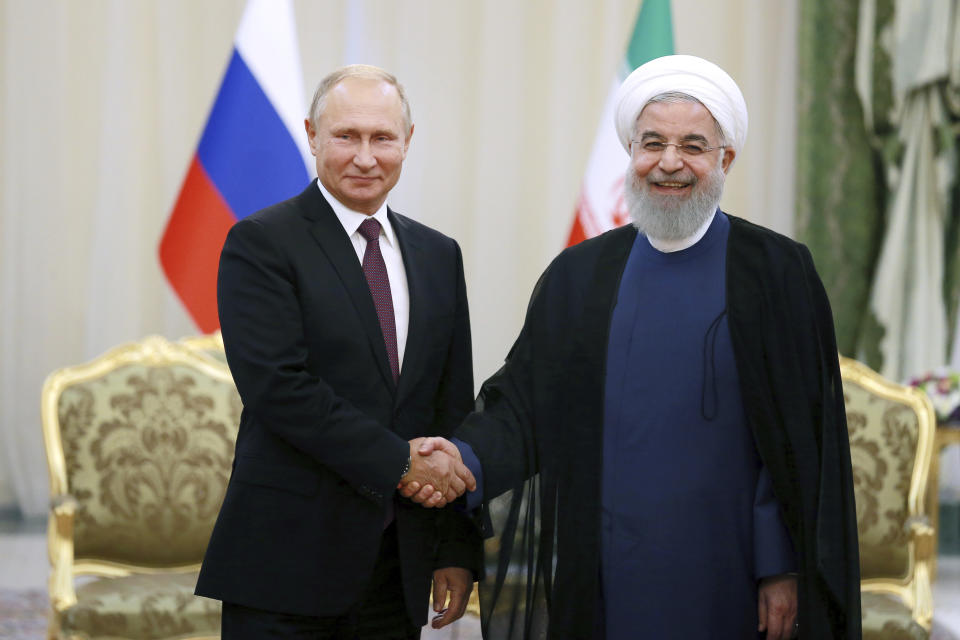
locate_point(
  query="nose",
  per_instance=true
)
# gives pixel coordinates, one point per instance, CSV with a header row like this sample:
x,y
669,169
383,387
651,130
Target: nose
x,y
364,157
670,160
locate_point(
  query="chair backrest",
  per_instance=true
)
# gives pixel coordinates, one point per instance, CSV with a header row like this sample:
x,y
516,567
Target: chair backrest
x,y
210,345
141,441
891,429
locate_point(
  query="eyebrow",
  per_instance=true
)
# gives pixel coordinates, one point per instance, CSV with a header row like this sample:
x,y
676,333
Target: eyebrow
x,y
352,130
690,137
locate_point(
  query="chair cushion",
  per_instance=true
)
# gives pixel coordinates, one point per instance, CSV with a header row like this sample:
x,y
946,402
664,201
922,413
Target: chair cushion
x,y
887,618
142,607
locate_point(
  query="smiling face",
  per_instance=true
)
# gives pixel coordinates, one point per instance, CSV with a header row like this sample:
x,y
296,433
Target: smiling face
x,y
671,193
360,142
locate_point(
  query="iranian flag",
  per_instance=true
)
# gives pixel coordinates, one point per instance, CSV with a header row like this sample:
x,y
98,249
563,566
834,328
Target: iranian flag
x,y
601,206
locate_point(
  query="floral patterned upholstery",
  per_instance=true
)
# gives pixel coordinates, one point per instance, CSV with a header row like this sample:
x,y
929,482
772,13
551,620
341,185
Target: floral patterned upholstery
x,y
143,606
140,445
888,618
891,438
883,444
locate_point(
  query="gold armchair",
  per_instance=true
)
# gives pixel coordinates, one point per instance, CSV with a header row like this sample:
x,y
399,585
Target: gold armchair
x,y
139,447
891,430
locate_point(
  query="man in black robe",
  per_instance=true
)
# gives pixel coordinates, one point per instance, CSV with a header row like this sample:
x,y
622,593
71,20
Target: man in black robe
x,y
544,428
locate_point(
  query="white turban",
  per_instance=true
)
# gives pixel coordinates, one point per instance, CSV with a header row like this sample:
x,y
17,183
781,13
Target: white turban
x,y
694,76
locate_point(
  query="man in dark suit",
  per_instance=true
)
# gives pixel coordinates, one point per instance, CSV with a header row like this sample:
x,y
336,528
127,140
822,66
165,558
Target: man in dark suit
x,y
346,328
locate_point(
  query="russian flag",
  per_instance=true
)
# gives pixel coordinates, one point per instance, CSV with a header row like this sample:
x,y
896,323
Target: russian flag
x,y
253,153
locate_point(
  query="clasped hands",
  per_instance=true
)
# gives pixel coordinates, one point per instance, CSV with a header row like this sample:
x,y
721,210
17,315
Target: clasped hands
x,y
437,475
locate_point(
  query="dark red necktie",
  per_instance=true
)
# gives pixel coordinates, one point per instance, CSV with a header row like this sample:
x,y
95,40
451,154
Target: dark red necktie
x,y
375,269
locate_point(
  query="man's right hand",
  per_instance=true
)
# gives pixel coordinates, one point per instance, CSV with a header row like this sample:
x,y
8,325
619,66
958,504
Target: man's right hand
x,y
437,474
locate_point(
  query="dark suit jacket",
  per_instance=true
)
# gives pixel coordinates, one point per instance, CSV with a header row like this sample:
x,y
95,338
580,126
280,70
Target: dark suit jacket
x,y
324,429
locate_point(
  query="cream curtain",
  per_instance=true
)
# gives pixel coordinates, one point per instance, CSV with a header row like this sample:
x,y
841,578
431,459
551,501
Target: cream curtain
x,y
908,289
102,103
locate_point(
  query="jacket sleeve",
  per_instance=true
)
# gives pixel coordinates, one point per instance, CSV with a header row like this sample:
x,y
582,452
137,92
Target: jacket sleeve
x,y
261,322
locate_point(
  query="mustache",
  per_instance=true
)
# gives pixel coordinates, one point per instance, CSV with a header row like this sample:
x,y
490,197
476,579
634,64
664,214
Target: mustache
x,y
637,185
685,178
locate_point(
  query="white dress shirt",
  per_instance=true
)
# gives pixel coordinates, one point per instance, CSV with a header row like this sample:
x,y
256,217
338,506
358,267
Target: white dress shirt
x,y
392,257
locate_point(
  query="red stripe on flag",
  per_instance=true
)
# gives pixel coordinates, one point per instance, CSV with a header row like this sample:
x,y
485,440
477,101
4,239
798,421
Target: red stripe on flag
x,y
191,244
577,234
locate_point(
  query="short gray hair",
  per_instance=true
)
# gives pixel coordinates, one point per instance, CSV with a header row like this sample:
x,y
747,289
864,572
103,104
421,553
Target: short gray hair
x,y
365,71
679,96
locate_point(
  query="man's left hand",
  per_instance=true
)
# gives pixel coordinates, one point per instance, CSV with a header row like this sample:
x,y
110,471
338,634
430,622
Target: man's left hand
x,y
457,582
777,606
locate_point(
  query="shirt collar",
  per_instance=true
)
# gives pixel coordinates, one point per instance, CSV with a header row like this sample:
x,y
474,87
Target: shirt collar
x,y
351,219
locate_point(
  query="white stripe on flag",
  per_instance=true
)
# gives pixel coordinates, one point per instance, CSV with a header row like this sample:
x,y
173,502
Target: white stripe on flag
x,y
267,42
603,180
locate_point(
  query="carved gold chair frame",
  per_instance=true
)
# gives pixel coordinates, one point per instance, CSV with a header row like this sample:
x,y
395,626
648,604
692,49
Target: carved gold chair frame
x,y
209,345
152,351
913,588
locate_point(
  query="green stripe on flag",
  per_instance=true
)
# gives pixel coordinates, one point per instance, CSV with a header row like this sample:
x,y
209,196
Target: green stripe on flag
x,y
652,34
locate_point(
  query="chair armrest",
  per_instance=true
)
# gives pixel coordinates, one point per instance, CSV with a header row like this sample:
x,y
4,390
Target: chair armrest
x,y
923,536
923,540
63,509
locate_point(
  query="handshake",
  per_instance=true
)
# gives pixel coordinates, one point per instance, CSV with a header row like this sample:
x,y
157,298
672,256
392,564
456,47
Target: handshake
x,y
437,475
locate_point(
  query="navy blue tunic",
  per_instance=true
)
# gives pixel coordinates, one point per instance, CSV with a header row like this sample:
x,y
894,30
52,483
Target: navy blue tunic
x,y
689,521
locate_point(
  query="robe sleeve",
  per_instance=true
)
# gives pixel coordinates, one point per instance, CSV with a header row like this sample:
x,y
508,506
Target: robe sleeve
x,y
473,498
502,434
773,552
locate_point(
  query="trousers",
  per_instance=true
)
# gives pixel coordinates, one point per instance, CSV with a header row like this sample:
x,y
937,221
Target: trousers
x,y
380,614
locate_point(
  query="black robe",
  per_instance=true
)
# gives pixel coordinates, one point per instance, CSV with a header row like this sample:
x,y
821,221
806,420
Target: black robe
x,y
543,420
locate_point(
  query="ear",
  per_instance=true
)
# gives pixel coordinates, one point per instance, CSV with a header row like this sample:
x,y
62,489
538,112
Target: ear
x,y
406,143
311,134
728,155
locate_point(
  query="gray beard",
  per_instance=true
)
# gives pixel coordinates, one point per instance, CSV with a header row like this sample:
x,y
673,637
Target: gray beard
x,y
664,217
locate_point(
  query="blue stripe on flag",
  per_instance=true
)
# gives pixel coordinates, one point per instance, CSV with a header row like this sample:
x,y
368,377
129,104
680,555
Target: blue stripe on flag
x,y
246,149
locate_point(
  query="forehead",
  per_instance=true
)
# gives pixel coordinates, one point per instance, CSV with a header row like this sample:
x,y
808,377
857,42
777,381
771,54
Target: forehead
x,y
677,119
362,100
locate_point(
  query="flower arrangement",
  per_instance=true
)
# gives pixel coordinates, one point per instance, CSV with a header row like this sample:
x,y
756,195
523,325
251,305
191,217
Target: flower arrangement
x,y
943,387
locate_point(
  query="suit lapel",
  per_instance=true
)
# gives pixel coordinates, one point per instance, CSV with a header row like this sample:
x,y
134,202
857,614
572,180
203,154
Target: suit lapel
x,y
328,232
414,262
